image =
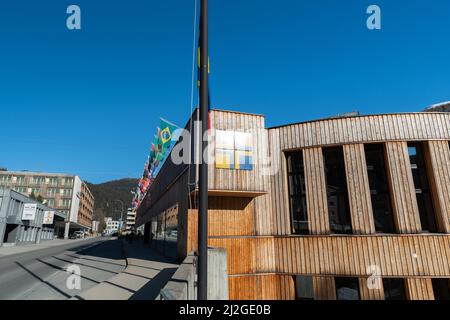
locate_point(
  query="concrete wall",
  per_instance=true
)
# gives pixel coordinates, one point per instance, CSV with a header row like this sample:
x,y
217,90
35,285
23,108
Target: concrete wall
x,y
182,286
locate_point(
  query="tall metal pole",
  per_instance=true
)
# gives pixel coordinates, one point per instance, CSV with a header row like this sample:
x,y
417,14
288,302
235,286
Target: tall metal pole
x,y
203,174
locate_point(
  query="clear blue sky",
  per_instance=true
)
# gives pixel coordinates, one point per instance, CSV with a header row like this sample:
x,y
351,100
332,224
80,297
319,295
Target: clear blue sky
x,y
87,102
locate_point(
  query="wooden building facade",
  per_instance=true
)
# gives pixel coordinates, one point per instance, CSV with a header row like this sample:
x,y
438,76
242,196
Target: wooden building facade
x,y
338,208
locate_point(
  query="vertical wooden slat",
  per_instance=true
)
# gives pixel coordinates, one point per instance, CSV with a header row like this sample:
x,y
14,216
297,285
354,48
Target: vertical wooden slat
x,y
316,191
358,189
406,211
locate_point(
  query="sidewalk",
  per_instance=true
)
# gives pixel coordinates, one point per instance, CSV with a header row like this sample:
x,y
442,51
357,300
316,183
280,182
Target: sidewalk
x,y
146,274
10,250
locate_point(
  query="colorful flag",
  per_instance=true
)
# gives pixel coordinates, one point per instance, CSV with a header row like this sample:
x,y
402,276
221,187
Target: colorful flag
x,y
167,130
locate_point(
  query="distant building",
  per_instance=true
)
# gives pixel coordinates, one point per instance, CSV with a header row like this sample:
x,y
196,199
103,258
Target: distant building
x,y
24,220
95,225
111,225
131,220
65,193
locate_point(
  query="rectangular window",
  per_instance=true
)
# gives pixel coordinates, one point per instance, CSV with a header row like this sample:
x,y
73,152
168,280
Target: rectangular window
x,y
379,189
20,189
304,288
37,180
234,150
51,192
20,180
50,203
297,192
53,181
441,289
336,182
4,178
68,182
66,192
394,289
347,288
421,184
65,203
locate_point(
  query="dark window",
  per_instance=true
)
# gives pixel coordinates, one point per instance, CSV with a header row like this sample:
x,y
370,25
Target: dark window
x,y
347,288
338,207
379,189
441,289
394,289
297,192
304,288
423,195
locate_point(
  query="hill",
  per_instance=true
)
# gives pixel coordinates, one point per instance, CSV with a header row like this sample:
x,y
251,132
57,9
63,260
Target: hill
x,y
106,195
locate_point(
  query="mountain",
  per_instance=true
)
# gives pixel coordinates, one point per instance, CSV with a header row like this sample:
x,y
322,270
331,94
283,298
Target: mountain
x,y
106,195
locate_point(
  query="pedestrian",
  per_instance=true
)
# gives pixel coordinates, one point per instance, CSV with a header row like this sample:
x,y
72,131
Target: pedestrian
x,y
151,238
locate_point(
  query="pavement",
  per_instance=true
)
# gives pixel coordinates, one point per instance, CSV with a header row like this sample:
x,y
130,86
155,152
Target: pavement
x,y
39,272
146,273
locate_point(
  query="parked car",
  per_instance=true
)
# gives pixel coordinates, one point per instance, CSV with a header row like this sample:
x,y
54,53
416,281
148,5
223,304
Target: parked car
x,y
79,234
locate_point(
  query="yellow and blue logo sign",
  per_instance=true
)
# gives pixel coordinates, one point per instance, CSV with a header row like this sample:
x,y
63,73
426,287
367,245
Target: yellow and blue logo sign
x,y
234,150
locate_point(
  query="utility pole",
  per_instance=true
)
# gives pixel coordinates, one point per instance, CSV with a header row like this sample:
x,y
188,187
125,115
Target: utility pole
x,y
203,174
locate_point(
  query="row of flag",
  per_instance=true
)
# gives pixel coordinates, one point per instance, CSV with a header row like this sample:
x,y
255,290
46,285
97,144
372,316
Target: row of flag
x,y
163,142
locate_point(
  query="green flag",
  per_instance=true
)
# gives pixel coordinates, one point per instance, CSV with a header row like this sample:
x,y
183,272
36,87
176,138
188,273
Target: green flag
x,y
167,130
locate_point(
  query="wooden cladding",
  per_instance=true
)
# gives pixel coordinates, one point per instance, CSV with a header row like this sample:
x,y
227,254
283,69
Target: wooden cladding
x,y
376,293
374,128
316,191
419,289
324,288
353,132
226,217
406,211
358,189
438,164
396,256
261,287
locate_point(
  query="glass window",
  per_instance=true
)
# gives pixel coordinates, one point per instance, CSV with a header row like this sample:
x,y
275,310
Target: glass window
x,y
53,181
50,203
4,178
347,288
441,289
379,189
336,182
51,192
394,289
297,192
423,194
37,180
234,150
304,288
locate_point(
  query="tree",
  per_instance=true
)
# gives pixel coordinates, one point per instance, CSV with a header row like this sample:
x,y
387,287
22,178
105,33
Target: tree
x,y
37,198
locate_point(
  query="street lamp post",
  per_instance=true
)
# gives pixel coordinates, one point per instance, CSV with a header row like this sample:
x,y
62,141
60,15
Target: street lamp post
x,y
121,212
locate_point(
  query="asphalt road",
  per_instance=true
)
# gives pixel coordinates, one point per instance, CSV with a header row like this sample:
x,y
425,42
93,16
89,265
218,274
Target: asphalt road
x,y
42,274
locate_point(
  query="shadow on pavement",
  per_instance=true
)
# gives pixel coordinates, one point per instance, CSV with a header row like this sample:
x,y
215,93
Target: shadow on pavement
x,y
151,290
42,280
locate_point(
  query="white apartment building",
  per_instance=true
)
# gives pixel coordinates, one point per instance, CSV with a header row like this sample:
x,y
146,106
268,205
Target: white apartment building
x,y
111,225
131,219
